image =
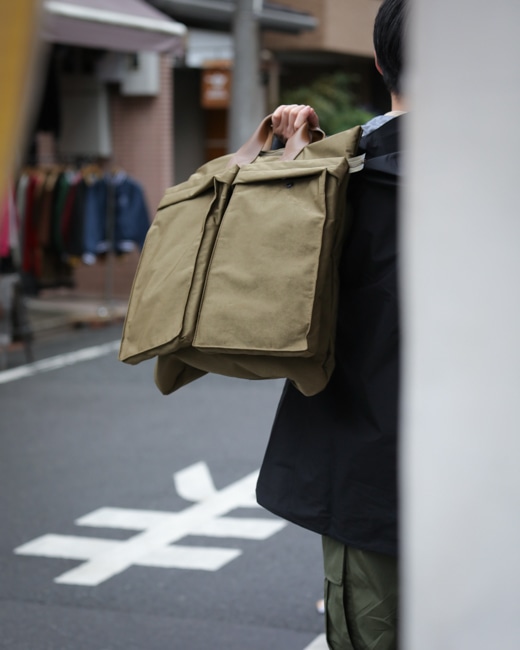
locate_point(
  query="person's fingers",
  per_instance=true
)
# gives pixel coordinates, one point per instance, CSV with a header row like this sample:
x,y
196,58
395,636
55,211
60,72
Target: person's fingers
x,y
296,116
287,119
309,115
276,117
313,119
281,114
302,116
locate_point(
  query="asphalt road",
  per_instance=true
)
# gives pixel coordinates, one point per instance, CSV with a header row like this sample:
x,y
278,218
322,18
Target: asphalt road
x,y
128,518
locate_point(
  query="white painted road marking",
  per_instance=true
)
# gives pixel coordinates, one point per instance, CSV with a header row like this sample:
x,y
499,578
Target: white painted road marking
x,y
59,361
319,643
155,545
194,483
126,519
85,548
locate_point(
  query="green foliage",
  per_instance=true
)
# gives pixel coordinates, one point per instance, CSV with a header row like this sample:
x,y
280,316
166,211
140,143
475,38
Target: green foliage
x,y
332,98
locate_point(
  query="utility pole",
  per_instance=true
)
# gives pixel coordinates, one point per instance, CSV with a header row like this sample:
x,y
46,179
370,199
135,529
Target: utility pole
x,y
247,102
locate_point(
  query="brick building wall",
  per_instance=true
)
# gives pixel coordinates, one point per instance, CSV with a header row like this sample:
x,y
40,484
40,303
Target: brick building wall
x,y
142,136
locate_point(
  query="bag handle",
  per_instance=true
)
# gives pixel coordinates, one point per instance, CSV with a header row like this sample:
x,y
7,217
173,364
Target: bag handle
x,y
262,138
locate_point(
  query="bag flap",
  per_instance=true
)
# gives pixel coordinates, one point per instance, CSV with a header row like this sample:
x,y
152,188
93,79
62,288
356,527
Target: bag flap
x,y
263,171
196,184
344,143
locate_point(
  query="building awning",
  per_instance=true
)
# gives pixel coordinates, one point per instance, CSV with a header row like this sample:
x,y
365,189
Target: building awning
x,y
219,14
121,25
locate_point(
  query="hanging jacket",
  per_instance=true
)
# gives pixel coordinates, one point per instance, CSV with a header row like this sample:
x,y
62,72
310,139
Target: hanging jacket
x,y
131,215
91,207
330,465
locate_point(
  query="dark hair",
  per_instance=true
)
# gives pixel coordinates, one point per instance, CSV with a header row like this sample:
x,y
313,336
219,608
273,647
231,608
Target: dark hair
x,y
389,29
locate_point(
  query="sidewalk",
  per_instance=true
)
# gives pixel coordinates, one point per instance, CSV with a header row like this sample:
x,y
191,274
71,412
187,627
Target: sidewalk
x,y
54,312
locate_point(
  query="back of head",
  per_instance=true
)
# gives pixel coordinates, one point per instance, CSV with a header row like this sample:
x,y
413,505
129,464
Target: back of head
x,y
389,30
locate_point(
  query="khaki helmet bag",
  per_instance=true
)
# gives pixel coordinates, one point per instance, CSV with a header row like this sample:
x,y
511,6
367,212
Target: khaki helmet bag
x,y
239,271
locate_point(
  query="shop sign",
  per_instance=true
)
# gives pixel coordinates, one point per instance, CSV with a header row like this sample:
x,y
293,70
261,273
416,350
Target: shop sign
x,y
216,87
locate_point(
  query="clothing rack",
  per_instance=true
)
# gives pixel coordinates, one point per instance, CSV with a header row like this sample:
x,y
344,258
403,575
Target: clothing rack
x,y
83,214
66,215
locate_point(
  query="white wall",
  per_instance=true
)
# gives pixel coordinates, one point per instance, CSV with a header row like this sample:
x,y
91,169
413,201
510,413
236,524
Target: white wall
x,y
461,282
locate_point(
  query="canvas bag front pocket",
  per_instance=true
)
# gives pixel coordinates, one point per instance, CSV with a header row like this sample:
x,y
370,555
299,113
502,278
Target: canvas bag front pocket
x,y
261,284
169,278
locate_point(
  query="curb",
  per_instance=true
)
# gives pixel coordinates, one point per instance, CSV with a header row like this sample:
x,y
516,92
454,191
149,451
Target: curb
x,y
46,316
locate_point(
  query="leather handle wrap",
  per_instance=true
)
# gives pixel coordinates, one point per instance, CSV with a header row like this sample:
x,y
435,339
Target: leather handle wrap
x,y
262,138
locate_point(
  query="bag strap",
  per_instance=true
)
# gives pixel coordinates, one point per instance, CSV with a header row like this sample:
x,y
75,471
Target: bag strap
x,y
262,138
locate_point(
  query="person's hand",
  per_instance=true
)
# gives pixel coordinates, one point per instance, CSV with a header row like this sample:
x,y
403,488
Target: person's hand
x,y
287,119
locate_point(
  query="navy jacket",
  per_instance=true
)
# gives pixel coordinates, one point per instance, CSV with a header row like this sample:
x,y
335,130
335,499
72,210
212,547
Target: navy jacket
x,y
331,462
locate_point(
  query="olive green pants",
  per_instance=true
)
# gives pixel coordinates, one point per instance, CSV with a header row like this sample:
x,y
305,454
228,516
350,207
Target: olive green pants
x,y
361,598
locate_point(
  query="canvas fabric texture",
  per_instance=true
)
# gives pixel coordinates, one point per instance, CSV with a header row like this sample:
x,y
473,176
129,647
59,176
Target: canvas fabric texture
x,y
239,271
